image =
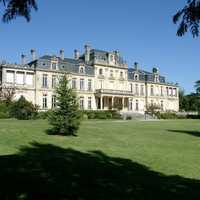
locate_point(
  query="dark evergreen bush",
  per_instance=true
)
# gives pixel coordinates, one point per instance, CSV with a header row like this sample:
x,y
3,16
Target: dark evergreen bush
x,y
23,109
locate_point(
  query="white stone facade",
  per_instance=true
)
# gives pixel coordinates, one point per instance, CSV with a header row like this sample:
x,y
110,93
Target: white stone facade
x,y
102,81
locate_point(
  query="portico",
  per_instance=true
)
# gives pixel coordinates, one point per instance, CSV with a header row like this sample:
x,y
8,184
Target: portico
x,y
113,100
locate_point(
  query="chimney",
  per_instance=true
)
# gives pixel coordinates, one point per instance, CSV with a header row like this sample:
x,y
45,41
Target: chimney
x,y
33,54
76,54
136,66
87,53
62,54
23,59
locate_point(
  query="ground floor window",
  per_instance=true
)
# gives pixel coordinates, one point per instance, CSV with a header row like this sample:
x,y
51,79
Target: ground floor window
x,y
81,103
89,103
130,104
53,101
162,105
44,101
136,105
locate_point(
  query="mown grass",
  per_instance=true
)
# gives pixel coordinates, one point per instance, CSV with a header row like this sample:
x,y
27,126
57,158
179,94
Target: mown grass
x,y
108,160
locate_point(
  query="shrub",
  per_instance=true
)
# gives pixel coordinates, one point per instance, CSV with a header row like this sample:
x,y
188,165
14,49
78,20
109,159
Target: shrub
x,y
166,115
128,117
4,115
107,114
4,110
23,109
193,116
44,114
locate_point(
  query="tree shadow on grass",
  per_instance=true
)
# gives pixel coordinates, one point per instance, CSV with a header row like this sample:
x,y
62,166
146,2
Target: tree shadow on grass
x,y
193,133
45,172
52,131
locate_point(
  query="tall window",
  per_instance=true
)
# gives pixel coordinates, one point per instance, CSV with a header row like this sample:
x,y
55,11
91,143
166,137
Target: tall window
x,y
162,105
167,91
20,78
44,81
89,84
170,92
130,104
121,74
152,90
54,66
74,83
174,92
89,103
111,73
100,71
136,89
81,84
136,105
44,101
10,76
29,78
53,101
131,87
142,90
81,103
54,81
161,90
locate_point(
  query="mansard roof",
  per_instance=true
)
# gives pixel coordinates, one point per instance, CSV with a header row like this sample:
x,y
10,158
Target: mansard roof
x,y
143,75
66,64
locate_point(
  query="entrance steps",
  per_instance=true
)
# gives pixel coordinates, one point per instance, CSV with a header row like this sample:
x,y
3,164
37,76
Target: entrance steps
x,y
136,116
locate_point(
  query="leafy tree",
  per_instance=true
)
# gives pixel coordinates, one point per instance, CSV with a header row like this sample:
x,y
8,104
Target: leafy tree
x,y
197,86
15,8
152,109
189,18
66,117
7,94
23,109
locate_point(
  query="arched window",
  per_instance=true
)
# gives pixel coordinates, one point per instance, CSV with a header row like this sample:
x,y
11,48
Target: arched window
x,y
81,70
136,77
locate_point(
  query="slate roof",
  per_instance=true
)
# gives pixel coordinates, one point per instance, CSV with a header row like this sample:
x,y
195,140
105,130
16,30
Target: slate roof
x,y
68,64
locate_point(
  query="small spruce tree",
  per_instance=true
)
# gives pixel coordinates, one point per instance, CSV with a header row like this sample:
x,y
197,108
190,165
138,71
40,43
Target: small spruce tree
x,y
65,118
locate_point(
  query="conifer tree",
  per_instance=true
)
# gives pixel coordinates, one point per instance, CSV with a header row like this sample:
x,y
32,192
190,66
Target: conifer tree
x,y
65,118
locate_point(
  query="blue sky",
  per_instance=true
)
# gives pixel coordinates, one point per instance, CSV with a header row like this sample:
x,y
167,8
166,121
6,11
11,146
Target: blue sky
x,y
141,30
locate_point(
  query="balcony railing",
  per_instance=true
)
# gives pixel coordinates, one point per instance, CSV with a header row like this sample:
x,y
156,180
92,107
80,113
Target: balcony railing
x,y
117,92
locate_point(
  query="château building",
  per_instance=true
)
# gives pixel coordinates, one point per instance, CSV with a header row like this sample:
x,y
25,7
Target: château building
x,y
101,79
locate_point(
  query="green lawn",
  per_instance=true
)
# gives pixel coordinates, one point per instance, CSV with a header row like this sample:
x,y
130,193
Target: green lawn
x,y
108,160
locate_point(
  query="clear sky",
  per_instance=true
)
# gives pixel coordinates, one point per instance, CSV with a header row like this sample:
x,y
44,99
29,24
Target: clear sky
x,y
141,30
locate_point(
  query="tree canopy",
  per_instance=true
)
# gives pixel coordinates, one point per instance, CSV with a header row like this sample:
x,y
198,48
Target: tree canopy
x,y
15,8
188,18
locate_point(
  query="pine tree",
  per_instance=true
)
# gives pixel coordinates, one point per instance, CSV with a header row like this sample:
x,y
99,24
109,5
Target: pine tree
x,y
65,118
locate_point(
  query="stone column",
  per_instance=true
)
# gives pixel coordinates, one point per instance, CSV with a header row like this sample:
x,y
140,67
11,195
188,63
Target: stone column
x,y
122,103
112,103
101,102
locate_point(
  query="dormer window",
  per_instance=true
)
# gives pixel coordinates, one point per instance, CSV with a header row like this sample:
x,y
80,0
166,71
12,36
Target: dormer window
x,y
111,58
156,79
81,70
136,77
54,66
